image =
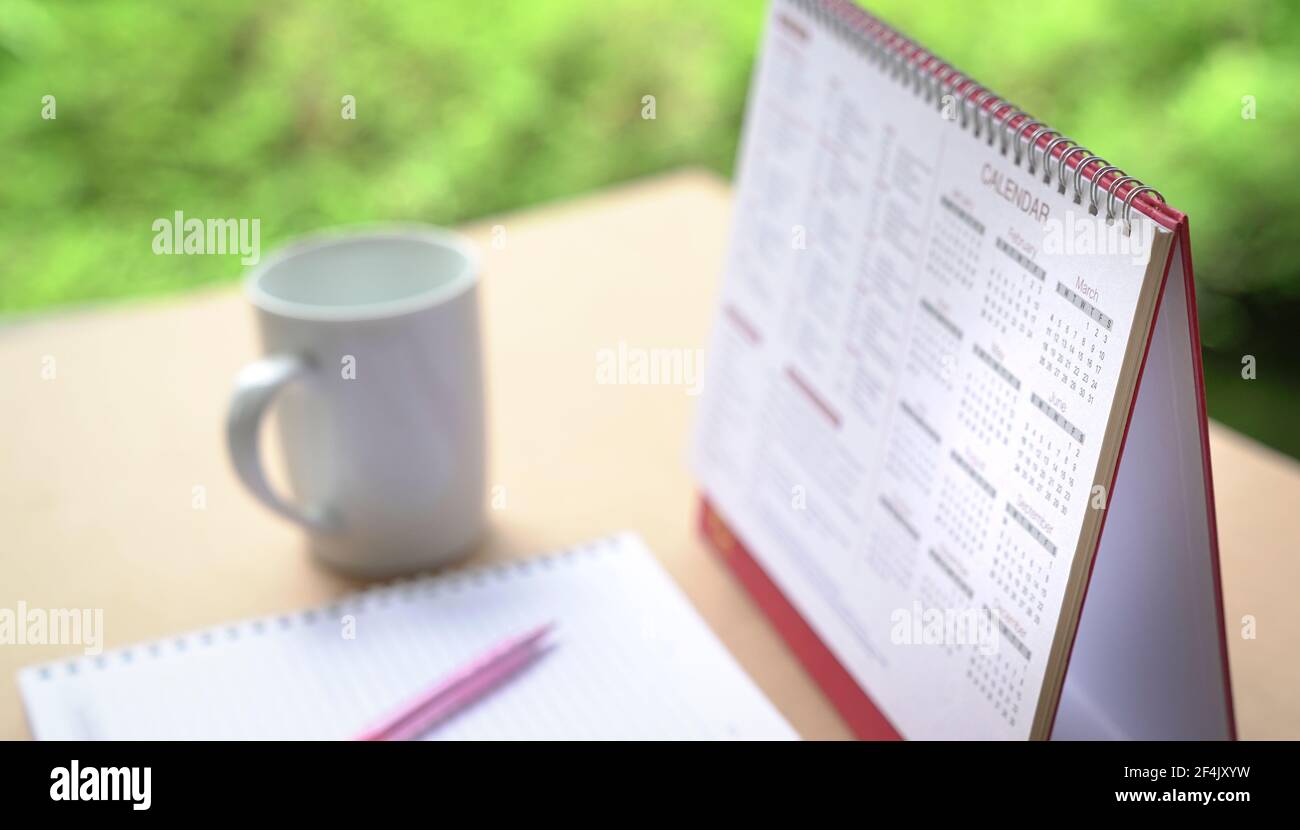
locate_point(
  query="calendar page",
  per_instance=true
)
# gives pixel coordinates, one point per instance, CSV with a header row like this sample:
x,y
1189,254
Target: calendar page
x,y
912,384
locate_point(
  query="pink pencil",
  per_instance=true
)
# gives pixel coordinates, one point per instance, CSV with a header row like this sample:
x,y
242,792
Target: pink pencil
x,y
459,689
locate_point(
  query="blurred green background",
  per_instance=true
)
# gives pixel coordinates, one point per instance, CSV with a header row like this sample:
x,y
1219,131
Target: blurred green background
x,y
465,109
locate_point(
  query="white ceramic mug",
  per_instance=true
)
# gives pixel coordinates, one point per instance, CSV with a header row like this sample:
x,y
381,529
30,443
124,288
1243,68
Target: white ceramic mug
x,y
373,361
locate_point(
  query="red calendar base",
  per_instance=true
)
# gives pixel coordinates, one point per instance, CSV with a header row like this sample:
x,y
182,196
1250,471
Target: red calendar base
x,y
857,709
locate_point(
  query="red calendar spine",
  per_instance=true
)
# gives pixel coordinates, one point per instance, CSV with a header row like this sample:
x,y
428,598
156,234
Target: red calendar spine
x,y
988,115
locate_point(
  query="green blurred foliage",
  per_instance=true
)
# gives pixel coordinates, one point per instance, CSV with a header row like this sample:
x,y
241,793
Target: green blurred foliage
x,y
233,109
468,108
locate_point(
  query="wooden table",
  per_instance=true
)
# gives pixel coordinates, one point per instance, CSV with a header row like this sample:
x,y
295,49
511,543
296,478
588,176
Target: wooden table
x,y
98,465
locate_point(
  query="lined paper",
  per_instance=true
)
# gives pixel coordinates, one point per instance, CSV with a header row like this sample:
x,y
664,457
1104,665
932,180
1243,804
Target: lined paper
x,y
631,660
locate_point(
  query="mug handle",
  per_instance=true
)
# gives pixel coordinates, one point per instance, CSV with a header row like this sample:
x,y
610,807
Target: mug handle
x,y
256,386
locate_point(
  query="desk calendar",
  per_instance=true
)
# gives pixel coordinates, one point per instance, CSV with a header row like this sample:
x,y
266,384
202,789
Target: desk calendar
x,y
953,391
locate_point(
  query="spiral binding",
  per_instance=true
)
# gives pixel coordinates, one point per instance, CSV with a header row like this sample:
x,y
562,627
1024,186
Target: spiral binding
x,y
986,114
384,595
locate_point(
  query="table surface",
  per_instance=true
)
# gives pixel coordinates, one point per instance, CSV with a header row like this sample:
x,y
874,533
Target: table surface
x,y
100,462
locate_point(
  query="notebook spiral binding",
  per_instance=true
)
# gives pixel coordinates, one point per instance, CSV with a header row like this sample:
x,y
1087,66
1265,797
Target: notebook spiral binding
x,y
985,114
404,589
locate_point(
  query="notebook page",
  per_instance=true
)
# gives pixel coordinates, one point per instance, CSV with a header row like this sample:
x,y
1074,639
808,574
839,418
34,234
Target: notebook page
x,y
631,660
911,371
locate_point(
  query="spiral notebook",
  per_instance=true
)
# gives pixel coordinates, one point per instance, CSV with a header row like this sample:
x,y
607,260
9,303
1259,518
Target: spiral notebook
x,y
631,660
955,385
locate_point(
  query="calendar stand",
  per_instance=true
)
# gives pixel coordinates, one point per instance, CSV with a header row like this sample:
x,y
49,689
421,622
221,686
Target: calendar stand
x,y
975,421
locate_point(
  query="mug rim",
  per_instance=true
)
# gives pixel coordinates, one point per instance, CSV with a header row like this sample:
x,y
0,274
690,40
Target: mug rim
x,y
466,277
